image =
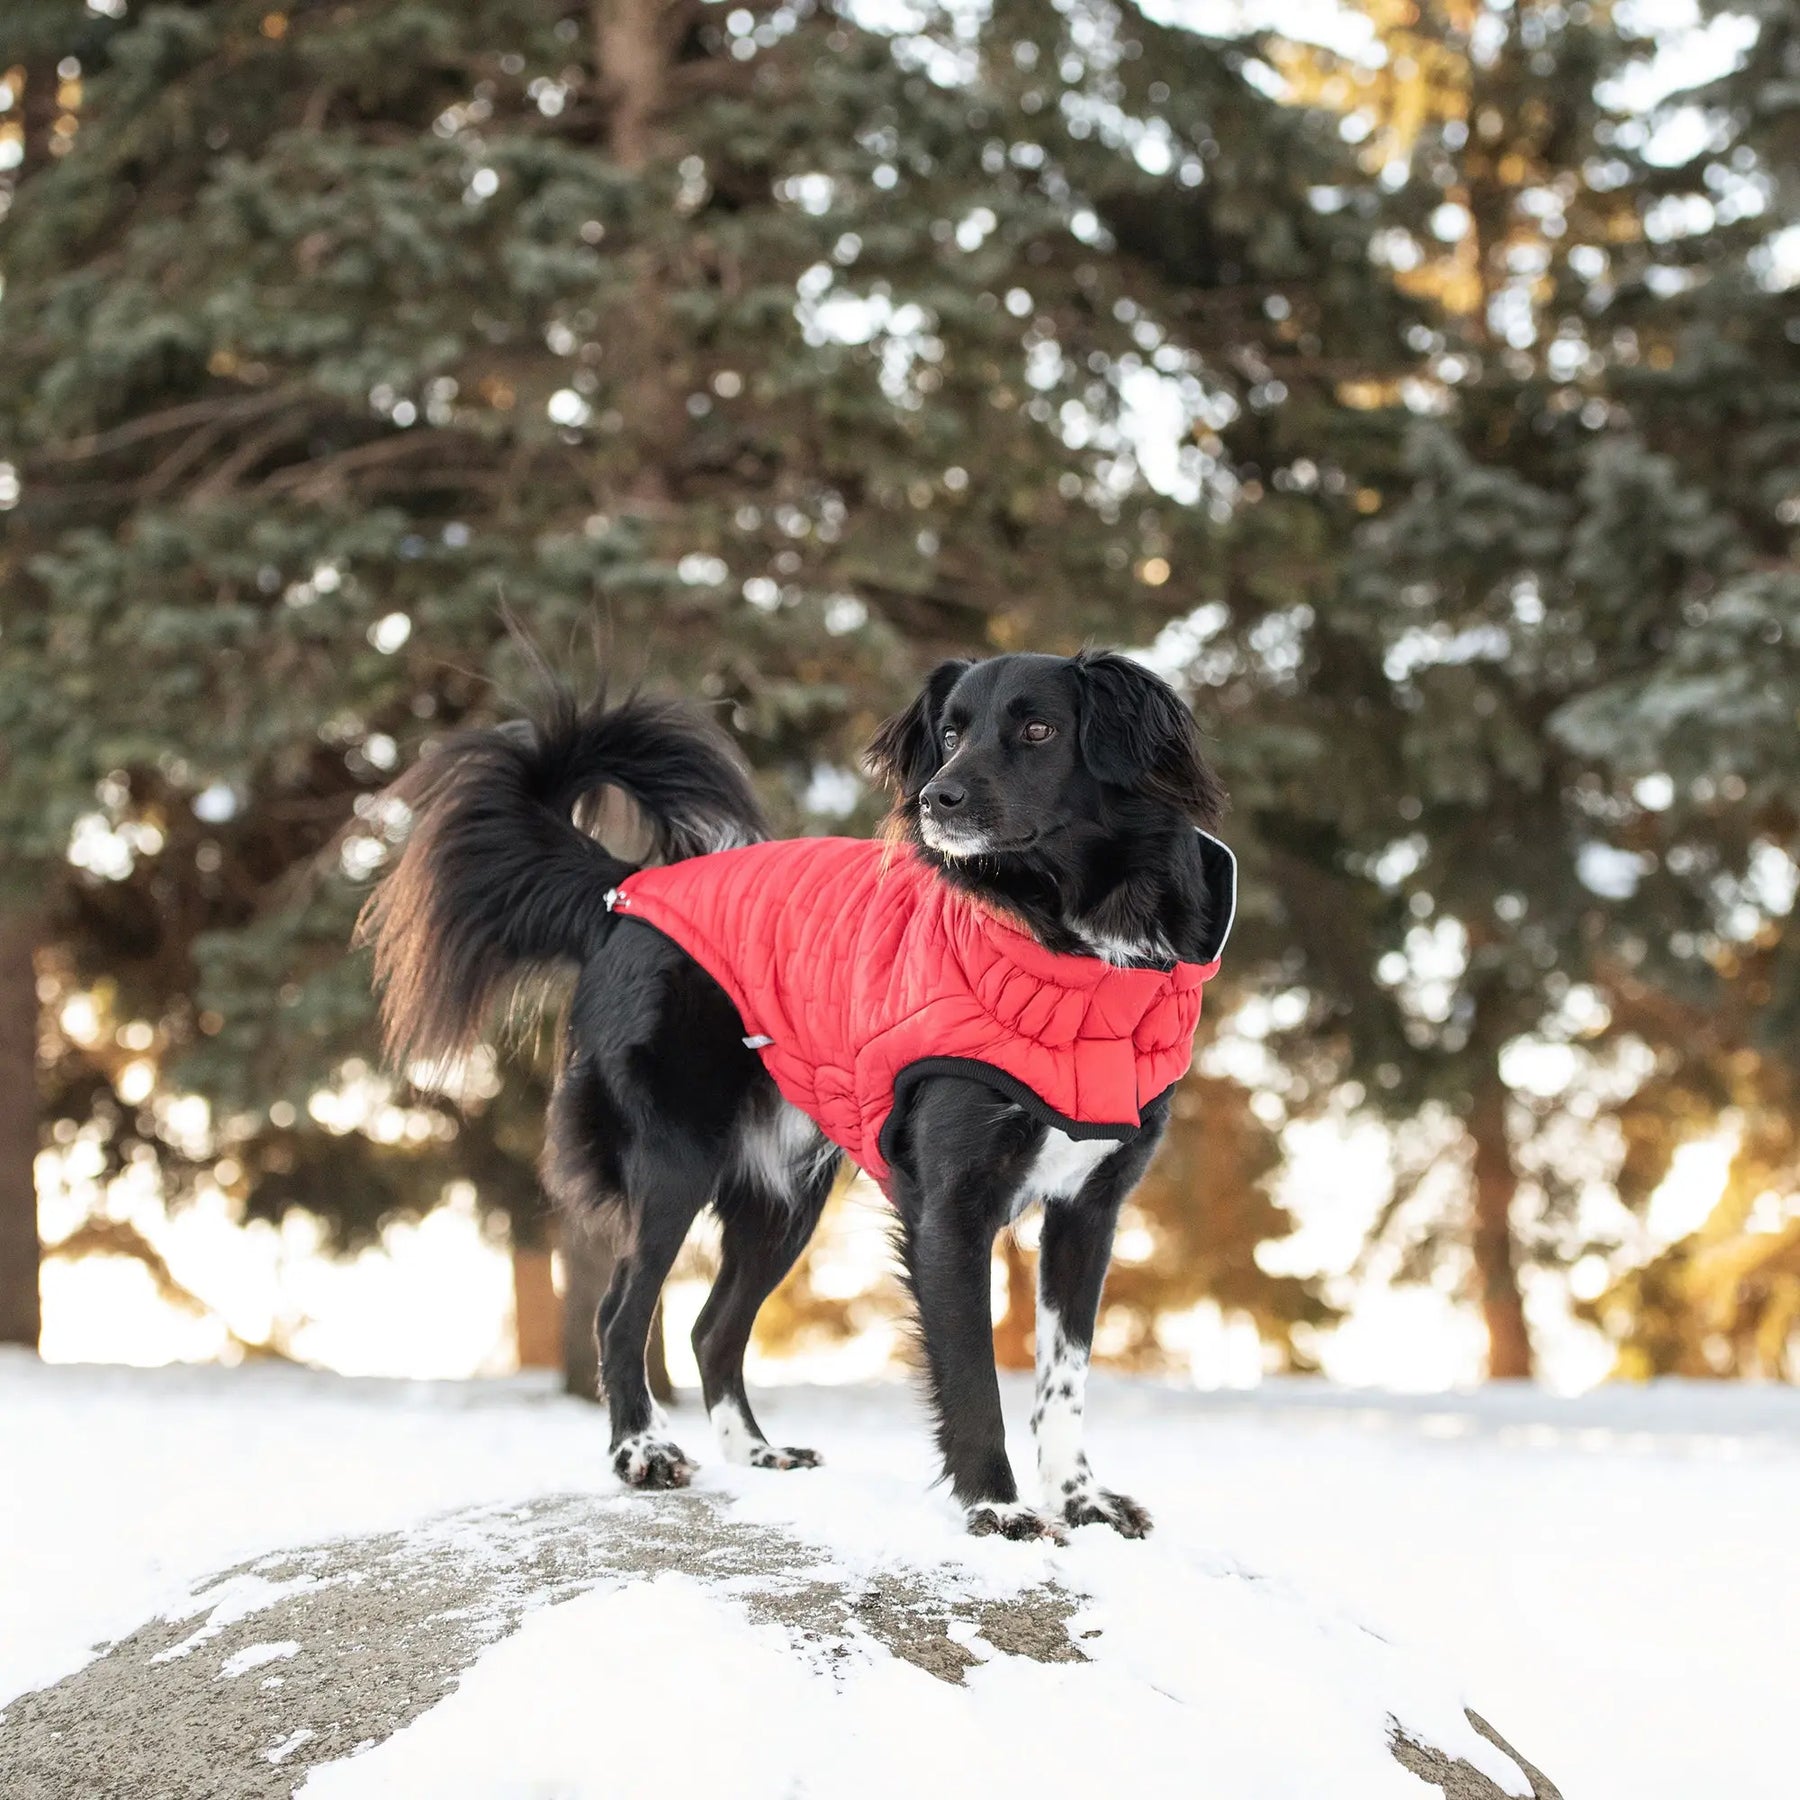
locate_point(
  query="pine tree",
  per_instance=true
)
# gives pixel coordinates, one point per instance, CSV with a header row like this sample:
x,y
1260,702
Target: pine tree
x,y
1509,621
803,352
1706,730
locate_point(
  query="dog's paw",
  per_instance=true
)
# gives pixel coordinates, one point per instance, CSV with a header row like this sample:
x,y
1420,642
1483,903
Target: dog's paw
x,y
1012,1519
740,1442
1101,1506
651,1462
790,1456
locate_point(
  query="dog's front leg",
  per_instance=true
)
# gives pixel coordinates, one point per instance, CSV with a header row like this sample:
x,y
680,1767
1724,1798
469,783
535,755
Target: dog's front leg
x,y
949,1241
951,1206
1072,1258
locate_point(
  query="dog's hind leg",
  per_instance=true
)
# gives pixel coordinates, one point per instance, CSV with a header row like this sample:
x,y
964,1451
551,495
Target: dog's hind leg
x,y
763,1236
641,1455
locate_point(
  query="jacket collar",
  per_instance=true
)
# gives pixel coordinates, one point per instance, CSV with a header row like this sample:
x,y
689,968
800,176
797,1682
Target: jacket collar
x,y
995,953
970,922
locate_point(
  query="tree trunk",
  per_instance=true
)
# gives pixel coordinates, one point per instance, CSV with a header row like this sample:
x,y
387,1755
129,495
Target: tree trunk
x,y
20,1316
37,116
656,1361
632,42
632,55
588,1260
1014,1346
537,1313
634,45
1496,1271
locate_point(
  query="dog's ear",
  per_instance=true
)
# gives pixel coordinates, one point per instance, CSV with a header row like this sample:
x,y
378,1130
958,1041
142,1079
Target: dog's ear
x,y
1137,734
903,754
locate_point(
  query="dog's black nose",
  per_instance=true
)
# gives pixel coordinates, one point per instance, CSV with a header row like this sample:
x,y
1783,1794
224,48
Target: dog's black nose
x,y
943,796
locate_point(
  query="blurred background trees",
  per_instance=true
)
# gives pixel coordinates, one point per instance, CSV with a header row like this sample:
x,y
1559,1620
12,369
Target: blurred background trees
x,y
1426,404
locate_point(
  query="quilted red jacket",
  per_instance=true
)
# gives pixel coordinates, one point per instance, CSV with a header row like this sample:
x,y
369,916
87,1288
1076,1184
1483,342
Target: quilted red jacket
x,y
857,971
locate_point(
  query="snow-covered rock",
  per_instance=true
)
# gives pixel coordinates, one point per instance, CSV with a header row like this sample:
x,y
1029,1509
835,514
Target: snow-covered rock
x,y
575,1645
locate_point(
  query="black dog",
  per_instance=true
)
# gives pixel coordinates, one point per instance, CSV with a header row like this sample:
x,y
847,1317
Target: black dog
x,y
1061,791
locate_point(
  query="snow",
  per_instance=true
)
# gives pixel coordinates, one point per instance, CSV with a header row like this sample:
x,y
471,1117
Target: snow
x,y
225,1604
1609,1579
780,1727
282,1751
255,1656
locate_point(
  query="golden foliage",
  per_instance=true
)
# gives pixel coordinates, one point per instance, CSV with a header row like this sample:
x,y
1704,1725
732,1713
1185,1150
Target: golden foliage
x,y
1191,1231
1725,1300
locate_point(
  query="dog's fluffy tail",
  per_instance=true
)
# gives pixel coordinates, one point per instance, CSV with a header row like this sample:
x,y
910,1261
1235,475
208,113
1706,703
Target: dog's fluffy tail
x,y
500,878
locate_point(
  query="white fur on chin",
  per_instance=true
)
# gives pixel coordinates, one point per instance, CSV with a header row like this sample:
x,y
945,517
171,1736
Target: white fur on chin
x,y
953,845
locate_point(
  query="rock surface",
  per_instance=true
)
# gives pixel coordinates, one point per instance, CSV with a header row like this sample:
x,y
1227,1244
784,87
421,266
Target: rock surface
x,y
306,1656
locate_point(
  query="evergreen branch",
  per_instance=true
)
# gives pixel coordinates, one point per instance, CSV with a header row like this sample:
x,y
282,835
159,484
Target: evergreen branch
x,y
231,409
221,480
312,479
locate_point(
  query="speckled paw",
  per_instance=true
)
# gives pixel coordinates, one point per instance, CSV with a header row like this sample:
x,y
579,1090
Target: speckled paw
x,y
788,1456
1100,1506
647,1462
1012,1519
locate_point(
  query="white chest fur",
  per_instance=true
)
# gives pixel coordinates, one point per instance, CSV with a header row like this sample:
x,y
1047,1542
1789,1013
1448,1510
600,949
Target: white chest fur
x,y
1060,1168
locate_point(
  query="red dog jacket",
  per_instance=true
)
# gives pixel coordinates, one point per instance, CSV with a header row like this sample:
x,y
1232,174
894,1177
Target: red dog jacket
x,y
857,971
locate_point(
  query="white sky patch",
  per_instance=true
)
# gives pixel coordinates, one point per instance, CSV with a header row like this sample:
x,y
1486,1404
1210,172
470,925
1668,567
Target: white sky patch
x,y
1773,880
216,803
1340,28
1428,971
832,793
1689,54
1783,258
901,334
1686,1196
1179,653
1421,648
1399,860
390,632
1157,420
1540,1069
845,613
701,569
566,407
432,1299
110,850
1610,872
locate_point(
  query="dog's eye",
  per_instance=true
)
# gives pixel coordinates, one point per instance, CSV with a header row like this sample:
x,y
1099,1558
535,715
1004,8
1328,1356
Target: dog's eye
x,y
950,737
1037,732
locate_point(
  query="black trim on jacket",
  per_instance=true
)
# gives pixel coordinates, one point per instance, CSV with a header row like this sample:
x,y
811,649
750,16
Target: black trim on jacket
x,y
973,1069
